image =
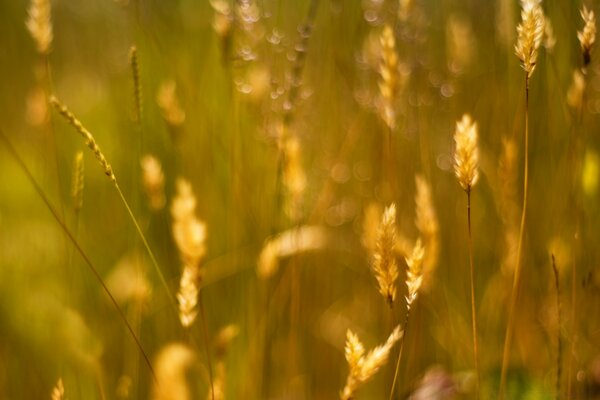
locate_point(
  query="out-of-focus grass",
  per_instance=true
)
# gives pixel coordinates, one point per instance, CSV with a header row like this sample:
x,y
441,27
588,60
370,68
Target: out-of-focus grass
x,y
55,321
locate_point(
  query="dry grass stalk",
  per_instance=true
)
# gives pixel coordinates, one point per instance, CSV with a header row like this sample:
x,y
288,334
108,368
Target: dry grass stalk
x,y
190,237
530,34
508,202
222,343
172,364
169,104
587,36
364,367
427,223
91,143
294,178
384,265
153,181
526,49
87,136
466,160
78,182
137,86
388,71
293,241
39,25
414,274
466,156
558,337
58,392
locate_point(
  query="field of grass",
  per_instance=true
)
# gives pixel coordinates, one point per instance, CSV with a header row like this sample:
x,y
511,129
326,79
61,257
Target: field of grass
x,y
312,199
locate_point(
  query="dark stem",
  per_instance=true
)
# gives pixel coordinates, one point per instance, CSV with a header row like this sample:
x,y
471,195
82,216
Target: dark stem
x,y
473,313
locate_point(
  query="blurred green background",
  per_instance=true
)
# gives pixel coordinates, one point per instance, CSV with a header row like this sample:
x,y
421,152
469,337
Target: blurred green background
x,y
239,90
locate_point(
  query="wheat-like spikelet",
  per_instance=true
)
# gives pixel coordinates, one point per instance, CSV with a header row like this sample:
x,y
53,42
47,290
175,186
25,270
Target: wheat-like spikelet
x,y
293,241
169,105
153,181
388,71
58,392
427,223
466,156
530,34
134,63
384,265
172,365
414,274
39,24
587,36
187,297
87,136
294,178
78,182
190,237
364,367
188,231
576,89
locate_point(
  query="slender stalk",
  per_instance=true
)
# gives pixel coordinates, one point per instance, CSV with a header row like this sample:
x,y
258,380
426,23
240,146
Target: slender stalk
x,y
146,245
206,345
517,273
404,329
558,339
473,313
576,199
70,236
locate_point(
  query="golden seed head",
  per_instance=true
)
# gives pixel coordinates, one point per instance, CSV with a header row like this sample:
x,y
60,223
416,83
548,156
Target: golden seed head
x,y
172,366
187,297
58,392
293,241
427,223
169,105
87,136
364,367
414,274
39,24
188,231
587,36
530,34
385,267
466,156
153,181
389,76
78,182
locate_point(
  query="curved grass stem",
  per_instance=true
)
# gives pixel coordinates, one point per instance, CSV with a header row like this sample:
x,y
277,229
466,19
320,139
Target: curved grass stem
x,y
517,273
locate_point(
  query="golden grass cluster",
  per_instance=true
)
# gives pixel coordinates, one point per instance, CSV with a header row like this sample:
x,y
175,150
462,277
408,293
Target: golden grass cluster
x,y
364,366
39,24
530,34
466,156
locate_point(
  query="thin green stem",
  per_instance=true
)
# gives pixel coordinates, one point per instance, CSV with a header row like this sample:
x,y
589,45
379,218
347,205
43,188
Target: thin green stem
x,y
404,328
70,236
517,273
147,246
473,313
558,324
